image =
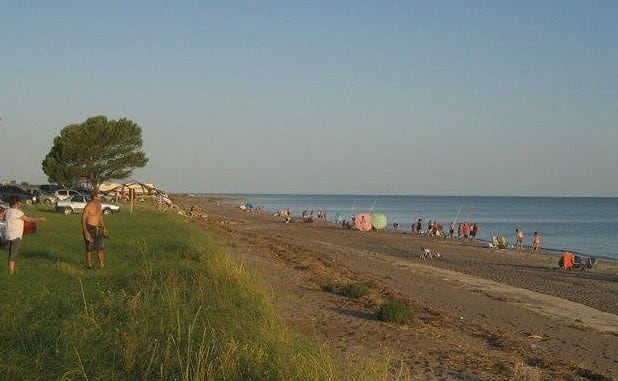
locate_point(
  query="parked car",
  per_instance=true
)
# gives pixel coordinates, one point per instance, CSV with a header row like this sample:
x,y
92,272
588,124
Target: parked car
x,y
63,194
49,188
78,203
9,191
43,197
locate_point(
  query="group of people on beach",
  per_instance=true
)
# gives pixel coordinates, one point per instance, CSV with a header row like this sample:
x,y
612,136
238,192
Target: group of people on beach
x,y
465,230
468,231
519,240
93,230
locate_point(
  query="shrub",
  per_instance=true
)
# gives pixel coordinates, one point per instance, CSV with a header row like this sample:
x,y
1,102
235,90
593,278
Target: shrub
x,y
395,311
354,290
330,287
349,290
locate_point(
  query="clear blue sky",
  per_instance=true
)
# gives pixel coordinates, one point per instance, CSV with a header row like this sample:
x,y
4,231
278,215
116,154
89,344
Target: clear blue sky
x,y
405,97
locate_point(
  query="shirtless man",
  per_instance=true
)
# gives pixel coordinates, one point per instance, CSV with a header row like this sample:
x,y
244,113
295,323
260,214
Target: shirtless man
x,y
519,239
93,229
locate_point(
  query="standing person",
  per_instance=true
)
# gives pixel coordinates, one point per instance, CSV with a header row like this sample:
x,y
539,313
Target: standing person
x,y
519,239
94,230
474,231
465,230
15,220
536,241
451,229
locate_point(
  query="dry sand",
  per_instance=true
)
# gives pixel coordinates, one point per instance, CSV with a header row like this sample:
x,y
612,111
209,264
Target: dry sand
x,y
481,314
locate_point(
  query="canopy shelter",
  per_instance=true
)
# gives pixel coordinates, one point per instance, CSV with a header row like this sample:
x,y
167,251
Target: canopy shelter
x,y
131,187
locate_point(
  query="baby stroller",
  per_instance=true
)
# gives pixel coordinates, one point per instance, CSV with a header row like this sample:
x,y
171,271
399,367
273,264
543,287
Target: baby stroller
x,y
583,262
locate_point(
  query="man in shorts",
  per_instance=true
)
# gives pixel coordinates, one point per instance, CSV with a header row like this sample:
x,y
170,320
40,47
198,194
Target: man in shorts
x,y
94,230
519,239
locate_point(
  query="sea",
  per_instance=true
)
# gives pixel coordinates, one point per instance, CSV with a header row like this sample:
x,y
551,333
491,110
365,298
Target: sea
x,y
584,225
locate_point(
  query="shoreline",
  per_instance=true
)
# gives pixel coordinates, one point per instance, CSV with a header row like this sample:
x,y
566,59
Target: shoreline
x,y
473,305
240,198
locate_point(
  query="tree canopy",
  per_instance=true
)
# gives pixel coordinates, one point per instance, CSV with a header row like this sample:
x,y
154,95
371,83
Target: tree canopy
x,y
95,151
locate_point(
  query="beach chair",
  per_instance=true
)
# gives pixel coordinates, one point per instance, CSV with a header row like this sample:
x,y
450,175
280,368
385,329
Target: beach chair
x,y
583,262
494,242
499,242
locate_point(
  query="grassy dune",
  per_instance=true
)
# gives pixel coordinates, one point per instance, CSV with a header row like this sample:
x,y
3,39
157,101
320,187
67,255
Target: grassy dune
x,y
170,305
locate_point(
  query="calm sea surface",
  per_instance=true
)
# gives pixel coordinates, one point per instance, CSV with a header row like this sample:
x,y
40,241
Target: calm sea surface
x,y
585,225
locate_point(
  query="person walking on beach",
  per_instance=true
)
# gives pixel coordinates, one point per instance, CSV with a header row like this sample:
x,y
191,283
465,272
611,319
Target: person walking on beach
x,y
451,229
519,239
94,230
15,220
536,241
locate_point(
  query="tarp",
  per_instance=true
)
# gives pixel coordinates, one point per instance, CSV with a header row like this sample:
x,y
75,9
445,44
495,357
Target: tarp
x,y
362,222
379,220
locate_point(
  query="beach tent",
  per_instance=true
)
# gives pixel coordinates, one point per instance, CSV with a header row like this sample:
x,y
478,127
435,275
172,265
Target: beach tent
x,y
362,222
379,220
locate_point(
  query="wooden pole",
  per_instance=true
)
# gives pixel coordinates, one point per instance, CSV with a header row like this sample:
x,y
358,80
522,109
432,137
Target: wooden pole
x,y
131,196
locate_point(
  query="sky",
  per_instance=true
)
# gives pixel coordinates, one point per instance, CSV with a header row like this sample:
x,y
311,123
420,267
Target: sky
x,y
347,97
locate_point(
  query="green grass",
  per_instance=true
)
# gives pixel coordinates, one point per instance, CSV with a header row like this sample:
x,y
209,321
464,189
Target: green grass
x,y
169,305
350,290
395,311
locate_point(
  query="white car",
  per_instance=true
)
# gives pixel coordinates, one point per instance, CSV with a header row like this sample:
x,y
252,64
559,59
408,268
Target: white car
x,y
63,194
78,203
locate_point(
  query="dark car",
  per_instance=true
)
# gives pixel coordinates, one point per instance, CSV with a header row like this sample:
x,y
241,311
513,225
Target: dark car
x,y
9,191
49,188
40,196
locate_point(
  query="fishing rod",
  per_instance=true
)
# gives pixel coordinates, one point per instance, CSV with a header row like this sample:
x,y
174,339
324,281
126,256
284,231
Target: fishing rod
x,y
469,213
458,211
372,205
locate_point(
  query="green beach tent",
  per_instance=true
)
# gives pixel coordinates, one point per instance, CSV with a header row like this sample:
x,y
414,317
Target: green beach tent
x,y
379,220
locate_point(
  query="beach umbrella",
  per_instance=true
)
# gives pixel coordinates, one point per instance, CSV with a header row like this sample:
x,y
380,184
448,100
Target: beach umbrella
x,y
379,220
362,222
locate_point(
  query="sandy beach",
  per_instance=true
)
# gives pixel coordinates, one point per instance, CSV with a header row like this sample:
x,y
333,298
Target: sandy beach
x,y
480,313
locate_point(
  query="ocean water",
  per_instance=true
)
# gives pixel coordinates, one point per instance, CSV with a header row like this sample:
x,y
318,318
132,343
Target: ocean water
x,y
585,225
